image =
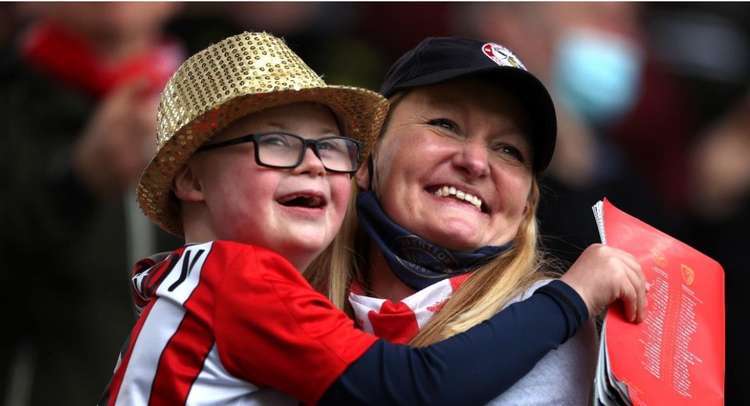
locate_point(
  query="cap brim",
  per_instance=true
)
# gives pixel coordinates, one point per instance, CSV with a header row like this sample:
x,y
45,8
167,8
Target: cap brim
x,y
531,93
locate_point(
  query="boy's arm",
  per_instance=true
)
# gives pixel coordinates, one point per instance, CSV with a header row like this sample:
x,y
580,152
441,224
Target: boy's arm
x,y
470,368
274,330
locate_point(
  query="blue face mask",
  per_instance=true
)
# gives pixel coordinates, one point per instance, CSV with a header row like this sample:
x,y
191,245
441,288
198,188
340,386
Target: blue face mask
x,y
597,74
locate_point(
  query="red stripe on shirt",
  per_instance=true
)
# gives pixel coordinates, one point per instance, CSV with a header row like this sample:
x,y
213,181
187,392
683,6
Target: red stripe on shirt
x,y
156,272
184,355
114,388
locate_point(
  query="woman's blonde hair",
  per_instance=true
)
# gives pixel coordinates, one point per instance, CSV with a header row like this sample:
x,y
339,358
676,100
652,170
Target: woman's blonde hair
x,y
490,288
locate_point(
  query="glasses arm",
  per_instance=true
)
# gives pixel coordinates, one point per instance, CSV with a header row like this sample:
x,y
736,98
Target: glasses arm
x,y
221,144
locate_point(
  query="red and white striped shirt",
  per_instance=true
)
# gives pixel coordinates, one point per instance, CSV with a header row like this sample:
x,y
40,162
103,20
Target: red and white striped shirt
x,y
209,332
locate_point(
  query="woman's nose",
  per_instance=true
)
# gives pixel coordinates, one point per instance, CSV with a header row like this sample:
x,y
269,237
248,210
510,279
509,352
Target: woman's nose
x,y
311,164
472,158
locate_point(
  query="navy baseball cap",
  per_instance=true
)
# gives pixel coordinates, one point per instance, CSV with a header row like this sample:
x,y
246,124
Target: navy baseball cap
x,y
438,59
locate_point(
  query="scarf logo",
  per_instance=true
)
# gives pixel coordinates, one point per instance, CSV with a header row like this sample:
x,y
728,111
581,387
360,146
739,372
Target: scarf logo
x,y
415,249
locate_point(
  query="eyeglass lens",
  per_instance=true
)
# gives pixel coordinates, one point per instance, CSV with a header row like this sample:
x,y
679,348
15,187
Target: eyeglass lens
x,y
287,150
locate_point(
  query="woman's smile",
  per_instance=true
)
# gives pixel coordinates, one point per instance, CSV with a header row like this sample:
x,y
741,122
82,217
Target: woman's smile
x,y
450,167
459,194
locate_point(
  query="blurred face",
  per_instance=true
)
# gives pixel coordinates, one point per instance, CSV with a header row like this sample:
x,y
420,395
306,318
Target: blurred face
x,y
295,212
110,20
454,165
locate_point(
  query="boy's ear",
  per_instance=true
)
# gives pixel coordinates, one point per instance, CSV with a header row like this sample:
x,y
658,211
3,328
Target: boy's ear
x,y
363,174
186,185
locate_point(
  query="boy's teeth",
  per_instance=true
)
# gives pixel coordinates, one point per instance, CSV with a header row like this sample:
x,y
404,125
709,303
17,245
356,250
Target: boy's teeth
x,y
446,191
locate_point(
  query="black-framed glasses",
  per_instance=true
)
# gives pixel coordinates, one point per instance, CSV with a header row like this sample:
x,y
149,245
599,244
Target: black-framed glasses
x,y
285,151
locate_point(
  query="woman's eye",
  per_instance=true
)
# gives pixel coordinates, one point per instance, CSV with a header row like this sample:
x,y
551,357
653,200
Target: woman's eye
x,y
507,150
444,123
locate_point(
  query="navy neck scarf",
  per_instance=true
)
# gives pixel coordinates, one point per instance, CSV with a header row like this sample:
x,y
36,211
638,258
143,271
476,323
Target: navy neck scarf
x,y
416,262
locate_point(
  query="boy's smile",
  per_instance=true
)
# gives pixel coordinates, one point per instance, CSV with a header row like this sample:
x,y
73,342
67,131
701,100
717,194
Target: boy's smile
x,y
296,211
308,204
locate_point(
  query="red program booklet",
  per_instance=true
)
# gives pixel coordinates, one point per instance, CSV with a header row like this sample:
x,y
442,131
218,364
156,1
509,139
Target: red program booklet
x,y
676,355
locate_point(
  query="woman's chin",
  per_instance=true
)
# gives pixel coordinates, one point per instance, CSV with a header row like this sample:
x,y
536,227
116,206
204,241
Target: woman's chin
x,y
454,239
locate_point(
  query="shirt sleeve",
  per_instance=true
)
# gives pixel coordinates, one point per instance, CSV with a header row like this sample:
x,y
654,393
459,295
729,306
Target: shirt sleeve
x,y
470,368
273,329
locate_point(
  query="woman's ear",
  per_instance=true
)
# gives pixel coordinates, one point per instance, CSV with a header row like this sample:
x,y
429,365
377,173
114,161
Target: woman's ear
x,y
363,174
187,186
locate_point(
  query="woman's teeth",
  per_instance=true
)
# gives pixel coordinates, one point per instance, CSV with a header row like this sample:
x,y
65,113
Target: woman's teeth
x,y
446,191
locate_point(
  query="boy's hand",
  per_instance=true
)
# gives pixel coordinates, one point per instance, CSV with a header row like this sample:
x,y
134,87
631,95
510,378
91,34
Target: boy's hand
x,y
602,275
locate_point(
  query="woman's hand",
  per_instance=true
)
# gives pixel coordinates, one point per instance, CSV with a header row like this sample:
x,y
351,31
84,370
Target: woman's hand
x,y
602,275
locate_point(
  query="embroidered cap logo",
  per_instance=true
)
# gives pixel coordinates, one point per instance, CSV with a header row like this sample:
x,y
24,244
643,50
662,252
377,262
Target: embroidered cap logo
x,y
501,55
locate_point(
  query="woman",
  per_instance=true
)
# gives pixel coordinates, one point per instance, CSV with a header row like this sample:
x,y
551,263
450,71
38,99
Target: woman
x,y
447,211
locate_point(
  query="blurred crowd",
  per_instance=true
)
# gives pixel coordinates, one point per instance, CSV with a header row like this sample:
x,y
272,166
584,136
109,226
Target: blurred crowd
x,y
653,103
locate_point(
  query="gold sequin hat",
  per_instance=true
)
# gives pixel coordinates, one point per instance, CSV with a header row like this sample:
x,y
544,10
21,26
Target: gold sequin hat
x,y
237,76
